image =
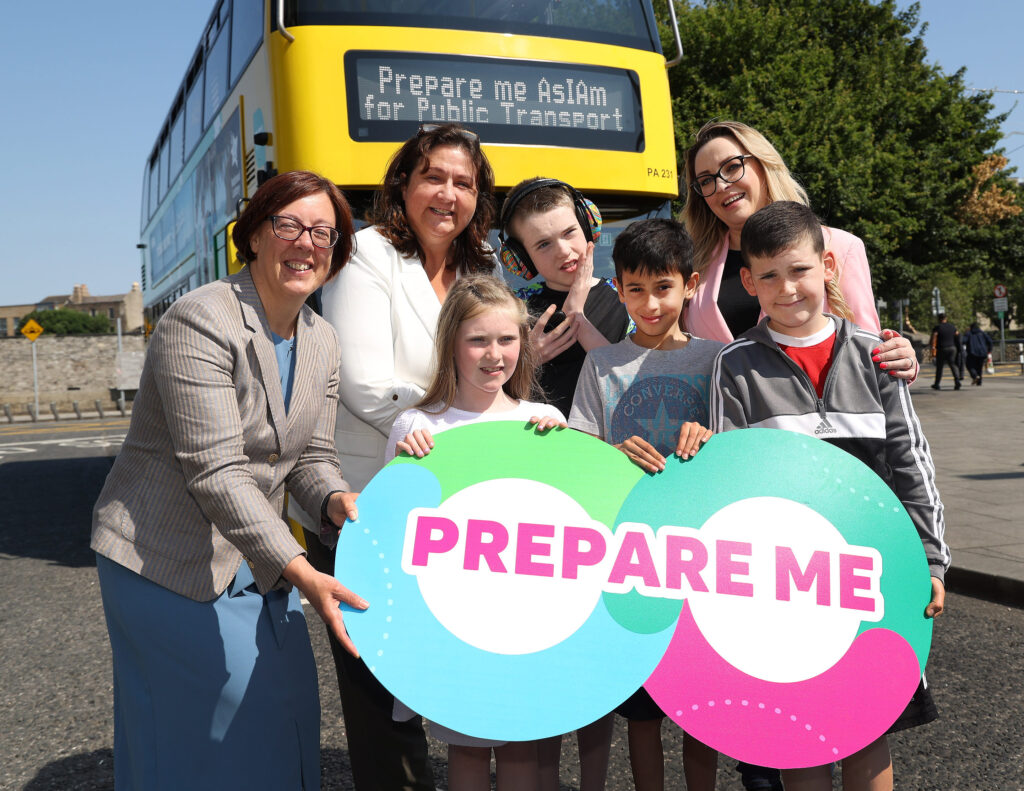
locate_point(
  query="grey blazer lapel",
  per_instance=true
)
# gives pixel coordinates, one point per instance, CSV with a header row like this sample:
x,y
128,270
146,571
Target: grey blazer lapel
x,y
305,376
256,322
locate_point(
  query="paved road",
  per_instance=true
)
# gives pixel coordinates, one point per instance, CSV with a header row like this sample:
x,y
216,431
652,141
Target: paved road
x,y
55,690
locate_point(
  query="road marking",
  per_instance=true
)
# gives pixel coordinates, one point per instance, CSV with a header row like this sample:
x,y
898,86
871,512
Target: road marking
x,y
21,448
61,427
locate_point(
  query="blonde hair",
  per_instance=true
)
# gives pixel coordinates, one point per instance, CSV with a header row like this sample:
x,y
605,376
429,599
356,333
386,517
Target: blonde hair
x,y
705,228
468,298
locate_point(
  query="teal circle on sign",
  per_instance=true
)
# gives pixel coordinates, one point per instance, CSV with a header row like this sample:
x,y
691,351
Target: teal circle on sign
x,y
492,686
755,695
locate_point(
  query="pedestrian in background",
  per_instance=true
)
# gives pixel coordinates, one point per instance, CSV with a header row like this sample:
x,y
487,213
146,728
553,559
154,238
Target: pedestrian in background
x,y
979,346
945,340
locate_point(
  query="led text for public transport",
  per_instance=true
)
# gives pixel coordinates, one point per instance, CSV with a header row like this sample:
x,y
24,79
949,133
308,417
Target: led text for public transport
x,y
565,102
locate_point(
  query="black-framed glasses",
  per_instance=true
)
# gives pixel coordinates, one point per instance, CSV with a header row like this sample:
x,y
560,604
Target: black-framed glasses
x,y
732,170
323,236
468,134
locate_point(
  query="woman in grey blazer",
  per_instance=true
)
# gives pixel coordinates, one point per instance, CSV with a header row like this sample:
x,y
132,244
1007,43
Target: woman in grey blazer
x,y
214,680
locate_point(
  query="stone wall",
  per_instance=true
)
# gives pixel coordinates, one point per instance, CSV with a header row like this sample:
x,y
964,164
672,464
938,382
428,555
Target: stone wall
x,y
79,368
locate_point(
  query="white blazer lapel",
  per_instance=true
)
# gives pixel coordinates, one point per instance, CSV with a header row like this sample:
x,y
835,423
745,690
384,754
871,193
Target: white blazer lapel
x,y
419,294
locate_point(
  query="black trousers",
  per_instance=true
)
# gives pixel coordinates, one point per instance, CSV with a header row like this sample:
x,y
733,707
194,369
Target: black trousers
x,y
385,755
976,365
946,356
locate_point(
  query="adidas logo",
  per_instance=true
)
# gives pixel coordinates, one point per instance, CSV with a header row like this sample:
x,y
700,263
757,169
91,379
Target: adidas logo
x,y
824,427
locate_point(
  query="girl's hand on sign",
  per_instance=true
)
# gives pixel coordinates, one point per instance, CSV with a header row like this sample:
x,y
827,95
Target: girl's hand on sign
x,y
417,443
643,454
543,424
691,437
937,605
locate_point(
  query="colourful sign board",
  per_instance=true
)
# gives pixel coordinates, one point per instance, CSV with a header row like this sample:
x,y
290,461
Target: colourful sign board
x,y
523,586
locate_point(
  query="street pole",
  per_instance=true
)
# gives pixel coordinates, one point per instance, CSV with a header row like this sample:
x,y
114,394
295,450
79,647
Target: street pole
x,y
35,377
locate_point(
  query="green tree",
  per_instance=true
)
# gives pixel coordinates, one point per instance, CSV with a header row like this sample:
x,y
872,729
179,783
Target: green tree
x,y
885,143
64,321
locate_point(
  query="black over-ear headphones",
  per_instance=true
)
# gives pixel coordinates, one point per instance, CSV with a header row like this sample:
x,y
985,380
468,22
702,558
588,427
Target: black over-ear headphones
x,y
512,253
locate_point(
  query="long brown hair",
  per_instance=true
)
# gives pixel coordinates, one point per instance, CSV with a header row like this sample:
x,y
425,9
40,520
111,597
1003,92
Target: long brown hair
x,y
276,193
469,297
705,228
472,253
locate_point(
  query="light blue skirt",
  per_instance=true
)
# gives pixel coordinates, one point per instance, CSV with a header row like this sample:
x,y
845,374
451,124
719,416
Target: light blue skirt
x,y
210,695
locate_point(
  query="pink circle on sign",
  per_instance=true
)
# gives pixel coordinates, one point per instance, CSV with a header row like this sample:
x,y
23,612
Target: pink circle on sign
x,y
786,725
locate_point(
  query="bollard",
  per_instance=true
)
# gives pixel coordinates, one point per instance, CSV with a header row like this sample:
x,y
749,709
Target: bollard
x,y
7,411
99,408
78,412
32,412
121,405
53,409
1020,357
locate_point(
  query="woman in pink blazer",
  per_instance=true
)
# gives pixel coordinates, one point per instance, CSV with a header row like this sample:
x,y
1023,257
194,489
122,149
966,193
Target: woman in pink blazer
x,y
732,171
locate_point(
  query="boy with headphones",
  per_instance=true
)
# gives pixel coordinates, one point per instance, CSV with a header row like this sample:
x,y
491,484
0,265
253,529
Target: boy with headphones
x,y
548,229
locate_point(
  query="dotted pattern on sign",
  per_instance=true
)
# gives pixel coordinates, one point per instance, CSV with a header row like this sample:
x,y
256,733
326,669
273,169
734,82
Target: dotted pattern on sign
x,y
763,707
391,602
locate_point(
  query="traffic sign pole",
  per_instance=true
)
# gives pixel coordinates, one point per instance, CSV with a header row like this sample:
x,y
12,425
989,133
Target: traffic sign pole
x,y
35,378
32,329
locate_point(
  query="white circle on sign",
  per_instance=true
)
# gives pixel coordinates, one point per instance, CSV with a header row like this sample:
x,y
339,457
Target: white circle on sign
x,y
773,640
499,610
1000,290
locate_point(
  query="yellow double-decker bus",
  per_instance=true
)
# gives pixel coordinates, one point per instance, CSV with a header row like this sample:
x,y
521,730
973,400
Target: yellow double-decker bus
x,y
572,89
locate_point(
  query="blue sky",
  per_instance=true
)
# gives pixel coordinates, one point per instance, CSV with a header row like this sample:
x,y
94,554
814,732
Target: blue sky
x,y
87,85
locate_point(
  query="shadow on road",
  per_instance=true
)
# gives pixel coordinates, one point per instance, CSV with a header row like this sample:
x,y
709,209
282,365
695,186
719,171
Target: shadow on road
x,y
46,508
83,772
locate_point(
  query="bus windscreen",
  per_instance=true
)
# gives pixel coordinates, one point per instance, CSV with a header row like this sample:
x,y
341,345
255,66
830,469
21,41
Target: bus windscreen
x,y
503,100
626,23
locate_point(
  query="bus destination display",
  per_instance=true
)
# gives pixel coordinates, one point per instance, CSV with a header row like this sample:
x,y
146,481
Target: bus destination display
x,y
504,101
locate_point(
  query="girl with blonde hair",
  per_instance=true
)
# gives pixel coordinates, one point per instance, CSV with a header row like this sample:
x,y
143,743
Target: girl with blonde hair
x,y
484,371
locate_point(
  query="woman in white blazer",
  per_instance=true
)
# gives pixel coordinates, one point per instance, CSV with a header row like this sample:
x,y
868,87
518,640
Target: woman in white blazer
x,y
430,225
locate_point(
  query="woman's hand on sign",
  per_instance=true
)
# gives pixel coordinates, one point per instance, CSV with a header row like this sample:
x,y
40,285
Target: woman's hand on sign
x,y
937,605
325,593
417,443
691,437
543,424
548,344
643,454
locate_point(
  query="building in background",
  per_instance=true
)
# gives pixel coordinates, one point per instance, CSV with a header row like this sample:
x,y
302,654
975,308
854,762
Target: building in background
x,y
127,307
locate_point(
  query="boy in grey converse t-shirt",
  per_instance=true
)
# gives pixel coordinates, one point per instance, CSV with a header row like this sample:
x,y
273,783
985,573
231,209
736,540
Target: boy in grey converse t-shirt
x,y
648,396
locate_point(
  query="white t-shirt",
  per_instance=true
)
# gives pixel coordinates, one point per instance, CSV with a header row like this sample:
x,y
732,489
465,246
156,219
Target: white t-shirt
x,y
412,419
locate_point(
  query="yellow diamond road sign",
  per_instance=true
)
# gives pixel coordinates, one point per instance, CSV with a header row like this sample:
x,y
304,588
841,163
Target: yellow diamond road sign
x,y
32,330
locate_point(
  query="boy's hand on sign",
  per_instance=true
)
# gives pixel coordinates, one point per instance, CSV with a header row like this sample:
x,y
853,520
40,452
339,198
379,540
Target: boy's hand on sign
x,y
691,436
937,605
416,443
552,343
643,454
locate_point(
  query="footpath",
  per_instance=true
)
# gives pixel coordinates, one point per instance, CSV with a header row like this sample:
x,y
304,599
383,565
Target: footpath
x,y
977,440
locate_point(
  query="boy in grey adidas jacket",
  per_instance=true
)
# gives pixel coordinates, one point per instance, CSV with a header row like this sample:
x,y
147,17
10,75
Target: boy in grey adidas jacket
x,y
810,372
